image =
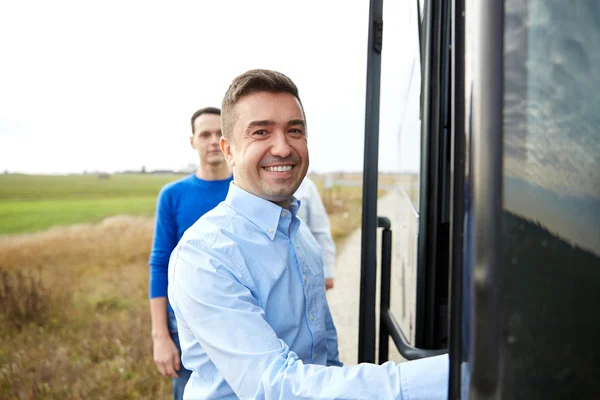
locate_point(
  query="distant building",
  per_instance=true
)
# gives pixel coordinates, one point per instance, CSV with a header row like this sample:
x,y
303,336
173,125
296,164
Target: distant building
x,y
189,168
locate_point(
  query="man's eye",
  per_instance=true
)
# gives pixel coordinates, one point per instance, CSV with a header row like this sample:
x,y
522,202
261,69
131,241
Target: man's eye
x,y
296,131
260,132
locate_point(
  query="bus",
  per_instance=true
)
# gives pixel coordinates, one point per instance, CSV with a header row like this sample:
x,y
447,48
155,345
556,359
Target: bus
x,y
496,261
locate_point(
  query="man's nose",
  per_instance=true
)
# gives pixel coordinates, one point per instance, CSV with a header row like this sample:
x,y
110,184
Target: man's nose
x,y
280,145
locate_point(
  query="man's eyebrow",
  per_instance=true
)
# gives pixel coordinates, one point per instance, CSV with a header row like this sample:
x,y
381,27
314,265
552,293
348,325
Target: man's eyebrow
x,y
267,122
256,124
296,122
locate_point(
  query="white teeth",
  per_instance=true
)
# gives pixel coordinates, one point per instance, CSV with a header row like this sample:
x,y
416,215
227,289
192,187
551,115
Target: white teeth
x,y
283,168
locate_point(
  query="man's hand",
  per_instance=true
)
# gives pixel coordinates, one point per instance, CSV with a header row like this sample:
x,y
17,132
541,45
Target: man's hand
x,y
328,283
166,356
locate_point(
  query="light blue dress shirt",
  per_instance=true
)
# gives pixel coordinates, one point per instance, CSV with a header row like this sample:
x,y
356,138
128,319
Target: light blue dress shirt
x,y
247,287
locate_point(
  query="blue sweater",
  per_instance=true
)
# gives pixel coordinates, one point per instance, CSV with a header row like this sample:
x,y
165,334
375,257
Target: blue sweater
x,y
179,205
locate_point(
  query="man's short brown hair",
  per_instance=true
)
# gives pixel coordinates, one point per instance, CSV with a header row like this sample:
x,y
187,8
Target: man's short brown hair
x,y
205,110
255,80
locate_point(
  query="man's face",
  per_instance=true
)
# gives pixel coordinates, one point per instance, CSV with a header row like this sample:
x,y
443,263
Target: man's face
x,y
205,140
268,151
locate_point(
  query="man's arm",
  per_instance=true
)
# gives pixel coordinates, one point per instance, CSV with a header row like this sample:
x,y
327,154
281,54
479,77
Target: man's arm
x,y
227,321
319,226
165,353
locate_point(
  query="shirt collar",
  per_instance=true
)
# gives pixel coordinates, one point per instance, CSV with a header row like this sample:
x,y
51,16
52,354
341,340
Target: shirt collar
x,y
257,210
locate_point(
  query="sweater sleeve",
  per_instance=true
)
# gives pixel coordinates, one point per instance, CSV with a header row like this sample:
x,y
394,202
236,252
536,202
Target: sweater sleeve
x,y
165,240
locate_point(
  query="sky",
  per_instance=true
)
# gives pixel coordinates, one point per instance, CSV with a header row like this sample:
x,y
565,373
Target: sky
x,y
111,85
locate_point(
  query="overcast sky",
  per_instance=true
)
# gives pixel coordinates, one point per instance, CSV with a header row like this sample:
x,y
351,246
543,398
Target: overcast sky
x,y
111,85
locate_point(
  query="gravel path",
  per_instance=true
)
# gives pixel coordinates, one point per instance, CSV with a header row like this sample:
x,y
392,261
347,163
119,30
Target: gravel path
x,y
344,297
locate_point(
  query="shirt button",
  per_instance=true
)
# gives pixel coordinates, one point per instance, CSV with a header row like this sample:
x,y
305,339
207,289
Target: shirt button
x,y
283,214
315,356
270,230
305,278
312,317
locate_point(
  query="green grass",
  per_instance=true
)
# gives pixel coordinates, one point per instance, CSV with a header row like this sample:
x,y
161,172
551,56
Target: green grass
x,y
63,187
30,203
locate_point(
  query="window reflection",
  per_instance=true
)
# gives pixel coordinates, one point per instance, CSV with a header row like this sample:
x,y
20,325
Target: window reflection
x,y
399,118
552,123
551,238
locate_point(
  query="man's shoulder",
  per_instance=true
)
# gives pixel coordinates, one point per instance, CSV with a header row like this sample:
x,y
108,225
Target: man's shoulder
x,y
214,236
210,226
176,186
306,189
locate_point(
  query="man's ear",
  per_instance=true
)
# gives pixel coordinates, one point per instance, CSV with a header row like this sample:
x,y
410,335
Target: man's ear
x,y
225,146
192,142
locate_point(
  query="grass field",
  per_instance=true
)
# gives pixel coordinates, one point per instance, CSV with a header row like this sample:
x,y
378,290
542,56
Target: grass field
x,y
74,318
31,203
48,187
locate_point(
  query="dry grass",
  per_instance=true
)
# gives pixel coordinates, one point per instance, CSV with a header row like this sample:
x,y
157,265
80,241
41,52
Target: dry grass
x,y
75,323
344,204
24,300
344,207
74,318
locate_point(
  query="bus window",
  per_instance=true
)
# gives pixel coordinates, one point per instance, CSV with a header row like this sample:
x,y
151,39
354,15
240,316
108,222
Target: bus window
x,y
551,221
399,118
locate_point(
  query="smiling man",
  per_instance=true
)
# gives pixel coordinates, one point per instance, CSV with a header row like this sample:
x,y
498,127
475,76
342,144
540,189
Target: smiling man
x,y
246,281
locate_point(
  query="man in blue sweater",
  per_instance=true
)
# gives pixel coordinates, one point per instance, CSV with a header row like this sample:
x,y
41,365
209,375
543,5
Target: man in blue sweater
x,y
179,205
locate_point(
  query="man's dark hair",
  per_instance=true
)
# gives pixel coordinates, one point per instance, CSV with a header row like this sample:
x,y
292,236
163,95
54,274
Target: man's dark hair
x,y
205,110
